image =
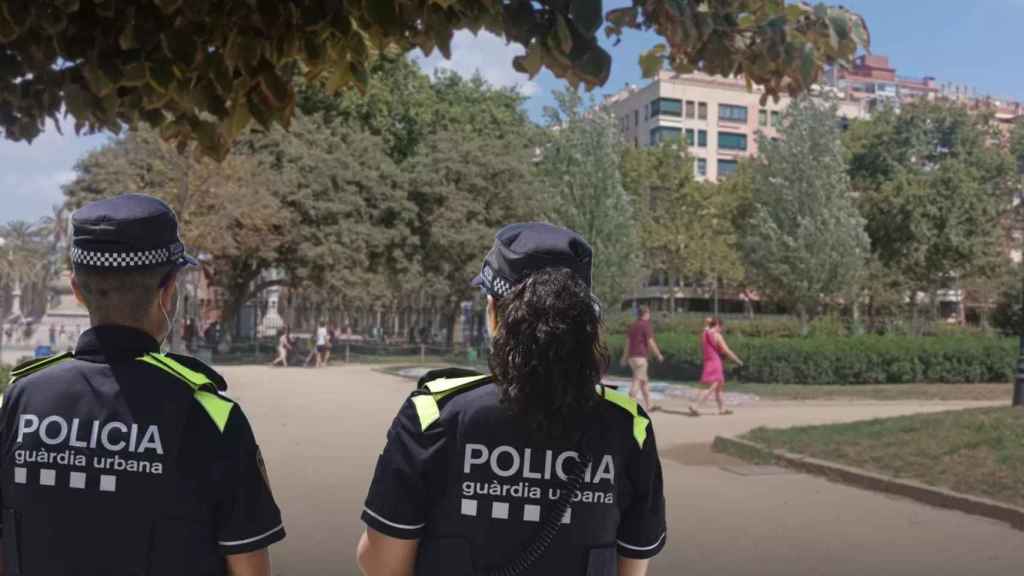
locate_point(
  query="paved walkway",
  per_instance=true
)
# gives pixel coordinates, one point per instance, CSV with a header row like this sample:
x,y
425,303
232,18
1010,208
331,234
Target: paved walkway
x,y
321,431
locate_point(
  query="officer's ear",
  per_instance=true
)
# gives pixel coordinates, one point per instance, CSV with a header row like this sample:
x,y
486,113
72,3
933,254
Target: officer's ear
x,y
168,289
76,289
492,314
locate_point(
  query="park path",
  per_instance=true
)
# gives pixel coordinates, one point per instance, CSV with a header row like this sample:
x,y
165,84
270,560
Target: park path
x,y
321,431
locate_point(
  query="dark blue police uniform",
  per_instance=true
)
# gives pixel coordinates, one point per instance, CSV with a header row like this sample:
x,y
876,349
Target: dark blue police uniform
x,y
117,459
467,478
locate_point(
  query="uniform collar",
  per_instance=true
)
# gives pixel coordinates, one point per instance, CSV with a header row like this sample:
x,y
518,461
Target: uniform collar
x,y
111,342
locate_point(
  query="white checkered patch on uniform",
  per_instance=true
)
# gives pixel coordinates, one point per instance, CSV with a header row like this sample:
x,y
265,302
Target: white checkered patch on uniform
x,y
120,259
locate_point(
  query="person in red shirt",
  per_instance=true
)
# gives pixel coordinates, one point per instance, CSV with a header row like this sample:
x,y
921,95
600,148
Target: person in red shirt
x,y
639,344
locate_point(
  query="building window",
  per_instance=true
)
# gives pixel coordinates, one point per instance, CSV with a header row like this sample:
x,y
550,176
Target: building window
x,y
702,167
636,117
702,111
732,141
690,137
726,167
776,119
667,107
665,134
702,138
690,109
732,113
762,118
647,111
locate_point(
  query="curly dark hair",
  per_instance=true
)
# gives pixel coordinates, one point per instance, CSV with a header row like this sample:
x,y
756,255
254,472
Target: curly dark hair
x,y
548,355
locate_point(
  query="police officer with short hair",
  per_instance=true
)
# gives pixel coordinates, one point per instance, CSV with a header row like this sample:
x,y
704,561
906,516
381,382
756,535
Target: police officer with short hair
x,y
538,469
118,460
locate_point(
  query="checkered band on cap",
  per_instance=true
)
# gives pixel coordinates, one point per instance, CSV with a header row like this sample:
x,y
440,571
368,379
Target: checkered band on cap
x,y
500,287
121,259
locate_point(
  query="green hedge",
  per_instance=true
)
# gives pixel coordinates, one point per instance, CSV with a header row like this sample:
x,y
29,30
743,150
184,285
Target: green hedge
x,y
690,323
849,360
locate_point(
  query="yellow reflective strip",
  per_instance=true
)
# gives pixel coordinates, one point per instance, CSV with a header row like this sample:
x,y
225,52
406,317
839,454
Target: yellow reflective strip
x,y
445,386
426,409
38,364
629,405
640,430
195,378
149,360
624,401
1,400
218,408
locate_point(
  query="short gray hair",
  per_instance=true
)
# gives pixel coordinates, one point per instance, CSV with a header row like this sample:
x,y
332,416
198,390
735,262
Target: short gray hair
x,y
120,296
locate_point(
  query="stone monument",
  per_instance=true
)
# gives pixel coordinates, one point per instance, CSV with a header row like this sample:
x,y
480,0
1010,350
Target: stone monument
x,y
65,317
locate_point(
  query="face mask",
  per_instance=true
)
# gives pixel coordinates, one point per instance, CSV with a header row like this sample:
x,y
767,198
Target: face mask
x,y
169,318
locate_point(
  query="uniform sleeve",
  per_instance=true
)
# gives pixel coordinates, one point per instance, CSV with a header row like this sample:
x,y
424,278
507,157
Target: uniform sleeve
x,y
247,519
399,496
642,529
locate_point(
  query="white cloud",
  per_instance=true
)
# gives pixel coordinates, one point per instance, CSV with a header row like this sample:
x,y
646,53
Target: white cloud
x,y
31,174
484,53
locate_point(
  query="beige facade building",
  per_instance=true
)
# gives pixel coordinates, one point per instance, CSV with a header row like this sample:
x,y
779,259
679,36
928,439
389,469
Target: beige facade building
x,y
718,118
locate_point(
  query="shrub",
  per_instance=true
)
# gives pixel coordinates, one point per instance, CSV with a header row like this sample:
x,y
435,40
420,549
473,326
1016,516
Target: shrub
x,y
5,375
851,360
693,323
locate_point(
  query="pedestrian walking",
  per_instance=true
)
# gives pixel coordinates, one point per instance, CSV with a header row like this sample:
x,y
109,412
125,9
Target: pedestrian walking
x,y
284,346
713,346
640,344
537,469
116,458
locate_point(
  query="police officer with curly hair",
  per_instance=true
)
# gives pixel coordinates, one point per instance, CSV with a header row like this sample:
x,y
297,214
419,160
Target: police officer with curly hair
x,y
535,469
116,459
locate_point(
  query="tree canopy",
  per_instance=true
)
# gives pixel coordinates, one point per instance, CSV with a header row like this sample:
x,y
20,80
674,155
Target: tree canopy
x,y
366,202
935,185
204,69
805,241
581,167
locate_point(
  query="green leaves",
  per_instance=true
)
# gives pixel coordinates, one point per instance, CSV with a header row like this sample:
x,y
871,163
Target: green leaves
x,y
531,62
652,61
805,242
587,15
187,46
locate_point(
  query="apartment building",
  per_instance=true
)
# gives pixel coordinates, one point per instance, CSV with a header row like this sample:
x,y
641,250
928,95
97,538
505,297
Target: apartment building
x,y
718,118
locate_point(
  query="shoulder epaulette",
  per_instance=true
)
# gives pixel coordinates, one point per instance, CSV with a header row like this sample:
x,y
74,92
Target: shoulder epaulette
x,y
446,382
623,401
33,366
198,365
204,389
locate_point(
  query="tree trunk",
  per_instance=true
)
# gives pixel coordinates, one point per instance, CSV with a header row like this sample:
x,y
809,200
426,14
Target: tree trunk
x,y
716,296
961,307
858,326
805,326
451,319
914,320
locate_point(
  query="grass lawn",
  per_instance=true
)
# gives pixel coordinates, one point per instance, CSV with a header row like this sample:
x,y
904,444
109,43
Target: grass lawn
x,y
979,451
985,392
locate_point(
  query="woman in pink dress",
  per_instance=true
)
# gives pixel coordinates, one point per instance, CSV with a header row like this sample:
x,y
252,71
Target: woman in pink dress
x,y
713,346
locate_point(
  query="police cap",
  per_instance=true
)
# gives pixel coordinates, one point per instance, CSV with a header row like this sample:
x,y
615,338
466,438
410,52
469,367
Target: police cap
x,y
129,232
522,249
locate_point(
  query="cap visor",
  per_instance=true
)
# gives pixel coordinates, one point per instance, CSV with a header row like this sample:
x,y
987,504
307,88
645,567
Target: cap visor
x,y
478,281
187,260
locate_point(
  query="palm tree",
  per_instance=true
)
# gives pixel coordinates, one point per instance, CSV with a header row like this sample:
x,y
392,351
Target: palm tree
x,y
24,258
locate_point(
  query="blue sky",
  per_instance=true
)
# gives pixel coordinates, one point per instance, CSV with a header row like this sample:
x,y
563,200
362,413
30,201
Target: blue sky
x,y
978,43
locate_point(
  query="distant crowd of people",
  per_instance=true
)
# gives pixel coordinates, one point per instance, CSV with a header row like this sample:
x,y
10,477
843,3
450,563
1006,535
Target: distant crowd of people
x,y
324,340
